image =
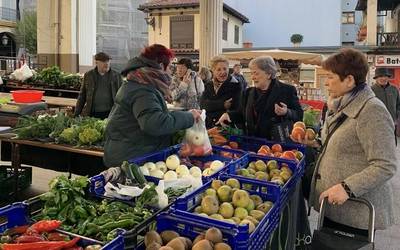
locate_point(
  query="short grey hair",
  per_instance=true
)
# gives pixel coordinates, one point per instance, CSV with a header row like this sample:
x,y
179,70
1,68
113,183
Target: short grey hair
x,y
265,63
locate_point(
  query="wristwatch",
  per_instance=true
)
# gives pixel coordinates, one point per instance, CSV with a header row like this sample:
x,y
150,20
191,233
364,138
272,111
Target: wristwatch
x,y
347,189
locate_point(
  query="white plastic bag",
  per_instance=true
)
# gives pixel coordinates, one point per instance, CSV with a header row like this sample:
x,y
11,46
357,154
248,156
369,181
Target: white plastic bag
x,y
23,73
162,197
196,141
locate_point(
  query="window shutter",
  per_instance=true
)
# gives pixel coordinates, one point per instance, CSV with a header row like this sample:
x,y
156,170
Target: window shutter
x,y
182,32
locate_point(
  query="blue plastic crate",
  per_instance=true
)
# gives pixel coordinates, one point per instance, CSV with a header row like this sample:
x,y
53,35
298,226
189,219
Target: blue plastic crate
x,y
253,144
189,224
216,155
17,214
290,185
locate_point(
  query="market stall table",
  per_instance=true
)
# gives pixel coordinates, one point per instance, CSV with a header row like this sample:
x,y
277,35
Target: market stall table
x,y
50,100
10,118
52,156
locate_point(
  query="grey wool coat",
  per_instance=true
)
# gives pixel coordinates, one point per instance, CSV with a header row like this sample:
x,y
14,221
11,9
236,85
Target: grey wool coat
x,y
362,153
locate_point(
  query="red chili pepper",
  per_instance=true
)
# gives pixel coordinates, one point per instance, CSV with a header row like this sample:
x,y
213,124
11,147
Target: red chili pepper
x,y
57,237
43,245
16,230
45,226
29,238
74,248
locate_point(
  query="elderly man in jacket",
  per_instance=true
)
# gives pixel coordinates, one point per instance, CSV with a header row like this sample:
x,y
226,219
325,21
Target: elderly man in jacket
x,y
98,90
387,93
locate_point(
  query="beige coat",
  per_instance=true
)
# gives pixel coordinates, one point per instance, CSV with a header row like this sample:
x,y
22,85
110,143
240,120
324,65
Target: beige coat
x,y
362,153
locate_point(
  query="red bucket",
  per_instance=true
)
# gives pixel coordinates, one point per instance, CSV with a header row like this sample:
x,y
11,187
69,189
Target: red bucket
x,y
27,96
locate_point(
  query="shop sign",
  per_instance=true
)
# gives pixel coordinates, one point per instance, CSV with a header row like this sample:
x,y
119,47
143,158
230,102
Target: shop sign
x,y
387,61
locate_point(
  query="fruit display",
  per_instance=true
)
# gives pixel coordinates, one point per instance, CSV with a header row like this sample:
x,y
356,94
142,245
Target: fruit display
x,y
300,132
212,239
174,168
271,170
225,201
277,151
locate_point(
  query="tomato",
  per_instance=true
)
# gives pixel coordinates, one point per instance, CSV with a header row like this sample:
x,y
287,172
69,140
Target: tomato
x,y
233,144
198,150
276,148
185,150
289,155
298,132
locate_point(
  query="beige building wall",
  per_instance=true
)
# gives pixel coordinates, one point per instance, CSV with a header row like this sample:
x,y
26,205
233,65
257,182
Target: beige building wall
x,y
160,34
232,21
57,34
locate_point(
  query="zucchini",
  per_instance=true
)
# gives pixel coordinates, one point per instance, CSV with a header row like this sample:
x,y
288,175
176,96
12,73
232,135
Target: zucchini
x,y
137,173
133,172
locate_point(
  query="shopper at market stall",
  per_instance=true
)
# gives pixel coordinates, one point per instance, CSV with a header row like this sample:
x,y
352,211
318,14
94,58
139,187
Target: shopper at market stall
x,y
187,87
140,122
205,74
237,73
98,90
360,158
222,93
386,92
266,105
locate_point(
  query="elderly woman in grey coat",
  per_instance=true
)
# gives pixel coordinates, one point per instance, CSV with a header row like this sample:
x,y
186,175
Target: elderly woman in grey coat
x,y
360,157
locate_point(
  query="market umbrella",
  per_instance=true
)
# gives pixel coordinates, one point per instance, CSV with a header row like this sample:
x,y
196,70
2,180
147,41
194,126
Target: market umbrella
x,y
304,57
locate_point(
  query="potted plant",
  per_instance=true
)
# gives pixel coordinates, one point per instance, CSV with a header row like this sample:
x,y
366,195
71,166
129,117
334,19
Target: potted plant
x,y
296,39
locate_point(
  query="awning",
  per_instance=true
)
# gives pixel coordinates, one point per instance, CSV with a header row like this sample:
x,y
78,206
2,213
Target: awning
x,y
277,54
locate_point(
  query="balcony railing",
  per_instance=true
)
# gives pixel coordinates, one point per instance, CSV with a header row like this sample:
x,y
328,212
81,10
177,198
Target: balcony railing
x,y
389,39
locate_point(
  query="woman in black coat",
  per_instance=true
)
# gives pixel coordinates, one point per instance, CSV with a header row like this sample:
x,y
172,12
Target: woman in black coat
x,y
222,93
267,104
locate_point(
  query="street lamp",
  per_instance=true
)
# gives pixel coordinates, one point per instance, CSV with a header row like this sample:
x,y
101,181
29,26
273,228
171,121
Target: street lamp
x,y
4,39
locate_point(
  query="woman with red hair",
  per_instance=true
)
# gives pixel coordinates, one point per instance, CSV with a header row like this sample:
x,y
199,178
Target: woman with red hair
x,y
139,121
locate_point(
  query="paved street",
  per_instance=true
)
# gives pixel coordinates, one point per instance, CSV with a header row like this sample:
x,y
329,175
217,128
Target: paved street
x,y
385,240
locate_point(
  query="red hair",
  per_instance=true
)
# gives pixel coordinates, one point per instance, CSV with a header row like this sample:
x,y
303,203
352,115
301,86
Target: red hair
x,y
158,53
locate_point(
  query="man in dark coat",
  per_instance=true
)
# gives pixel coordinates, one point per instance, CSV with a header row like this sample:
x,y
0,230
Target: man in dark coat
x,y
386,92
98,90
239,76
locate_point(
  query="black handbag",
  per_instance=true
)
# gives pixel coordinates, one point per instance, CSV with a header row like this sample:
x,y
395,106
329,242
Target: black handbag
x,y
334,239
280,132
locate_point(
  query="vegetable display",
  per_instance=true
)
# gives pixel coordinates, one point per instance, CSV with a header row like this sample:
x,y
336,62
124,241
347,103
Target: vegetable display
x,y
54,77
100,220
80,131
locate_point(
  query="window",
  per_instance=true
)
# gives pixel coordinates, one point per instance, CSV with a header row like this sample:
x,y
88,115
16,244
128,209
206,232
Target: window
x,y
225,29
348,17
347,44
236,34
182,32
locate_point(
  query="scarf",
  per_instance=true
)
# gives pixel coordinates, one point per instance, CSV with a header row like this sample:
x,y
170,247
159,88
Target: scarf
x,y
336,105
155,77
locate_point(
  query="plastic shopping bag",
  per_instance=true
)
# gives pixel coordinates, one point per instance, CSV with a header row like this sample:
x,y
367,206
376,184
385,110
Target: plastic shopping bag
x,y
196,141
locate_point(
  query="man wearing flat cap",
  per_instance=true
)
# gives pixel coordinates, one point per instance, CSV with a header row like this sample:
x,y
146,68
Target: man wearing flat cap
x,y
386,92
98,90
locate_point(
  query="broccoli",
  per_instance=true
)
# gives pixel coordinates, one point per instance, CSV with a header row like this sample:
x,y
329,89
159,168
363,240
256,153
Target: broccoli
x,y
89,136
69,135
